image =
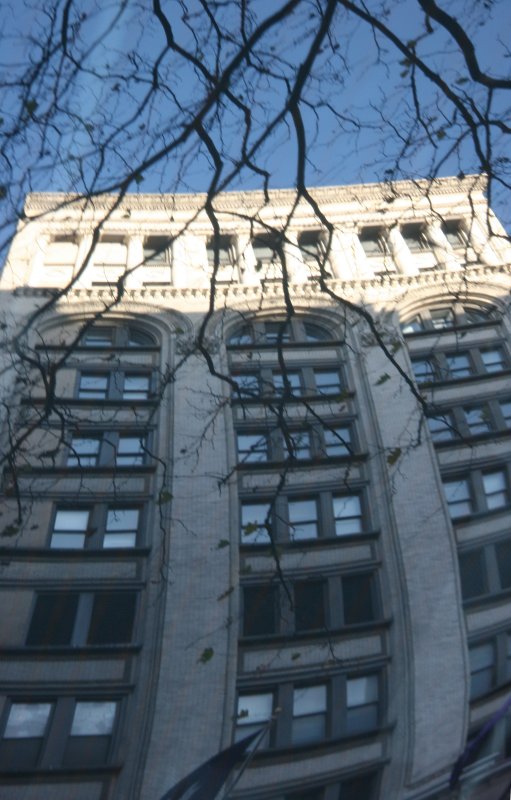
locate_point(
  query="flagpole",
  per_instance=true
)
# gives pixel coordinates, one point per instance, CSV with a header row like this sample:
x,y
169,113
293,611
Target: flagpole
x,y
251,753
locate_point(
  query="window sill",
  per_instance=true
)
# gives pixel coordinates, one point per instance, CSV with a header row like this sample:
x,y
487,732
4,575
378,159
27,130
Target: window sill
x,y
480,515
278,399
487,436
278,755
38,652
483,376
268,346
346,632
488,599
47,553
297,463
451,329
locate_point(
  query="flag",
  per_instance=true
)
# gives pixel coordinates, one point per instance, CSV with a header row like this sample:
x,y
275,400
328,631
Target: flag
x,y
205,782
474,745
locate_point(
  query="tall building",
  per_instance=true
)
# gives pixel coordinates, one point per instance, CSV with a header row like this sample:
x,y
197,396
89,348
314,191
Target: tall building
x,y
291,504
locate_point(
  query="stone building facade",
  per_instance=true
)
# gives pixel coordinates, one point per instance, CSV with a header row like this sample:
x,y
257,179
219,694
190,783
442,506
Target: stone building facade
x,y
292,503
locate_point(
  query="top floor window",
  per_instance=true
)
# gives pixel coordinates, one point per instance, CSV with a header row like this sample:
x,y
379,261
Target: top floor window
x,y
455,233
374,241
222,250
267,250
415,237
61,251
312,246
158,250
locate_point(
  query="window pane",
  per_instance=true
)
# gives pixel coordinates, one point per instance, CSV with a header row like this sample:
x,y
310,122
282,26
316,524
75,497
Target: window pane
x,y
27,720
309,714
71,520
423,370
457,494
98,337
327,381
275,332
242,336
337,441
362,704
121,528
93,387
130,451
493,360
413,326
495,489
303,519
93,718
504,564
313,333
297,445
441,428
138,338
248,384
53,619
259,610
357,599
254,708
83,452
287,382
136,387
482,660
112,618
458,366
478,419
252,447
254,523
472,572
442,318
348,515
309,605
505,407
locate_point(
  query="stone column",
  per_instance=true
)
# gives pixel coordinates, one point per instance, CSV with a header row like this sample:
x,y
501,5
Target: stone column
x,y
443,251
297,269
401,254
344,254
246,260
135,248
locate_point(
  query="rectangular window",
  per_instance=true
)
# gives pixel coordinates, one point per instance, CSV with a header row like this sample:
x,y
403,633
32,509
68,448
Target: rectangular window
x,y
255,523
441,427
56,622
93,386
328,381
252,448
482,669
361,704
358,599
157,250
24,734
303,519
260,608
121,528
493,360
458,366
495,489
337,441
442,318
477,419
248,384
472,573
309,605
276,332
287,382
254,711
423,370
347,515
83,452
309,714
70,528
90,735
457,494
373,241
415,237
131,451
505,407
454,233
136,387
503,551
98,337
297,445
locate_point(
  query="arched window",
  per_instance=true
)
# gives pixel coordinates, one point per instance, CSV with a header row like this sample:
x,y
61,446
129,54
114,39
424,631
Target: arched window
x,y
446,316
279,332
102,336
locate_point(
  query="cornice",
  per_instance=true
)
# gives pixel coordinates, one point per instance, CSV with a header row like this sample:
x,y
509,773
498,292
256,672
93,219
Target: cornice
x,y
54,202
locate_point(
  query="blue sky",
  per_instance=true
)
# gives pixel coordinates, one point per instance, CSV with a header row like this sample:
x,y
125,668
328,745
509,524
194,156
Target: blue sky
x,y
357,107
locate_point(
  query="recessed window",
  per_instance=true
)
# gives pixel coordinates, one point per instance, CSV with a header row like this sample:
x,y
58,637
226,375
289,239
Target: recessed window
x,y
495,489
98,337
105,618
309,605
337,441
362,704
121,528
247,384
93,386
287,382
415,237
303,519
314,333
221,254
297,444
70,528
267,248
458,366
83,452
358,599
254,711
255,523
441,428
260,609
455,233
441,318
505,407
158,250
482,664
374,241
136,387
309,714
446,318
327,381
457,494
252,448
275,332
493,359
131,451
477,419
24,734
347,515
423,370
91,731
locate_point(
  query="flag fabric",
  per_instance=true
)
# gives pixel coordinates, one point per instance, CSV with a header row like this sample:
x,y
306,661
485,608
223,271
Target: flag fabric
x,y
473,746
205,782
